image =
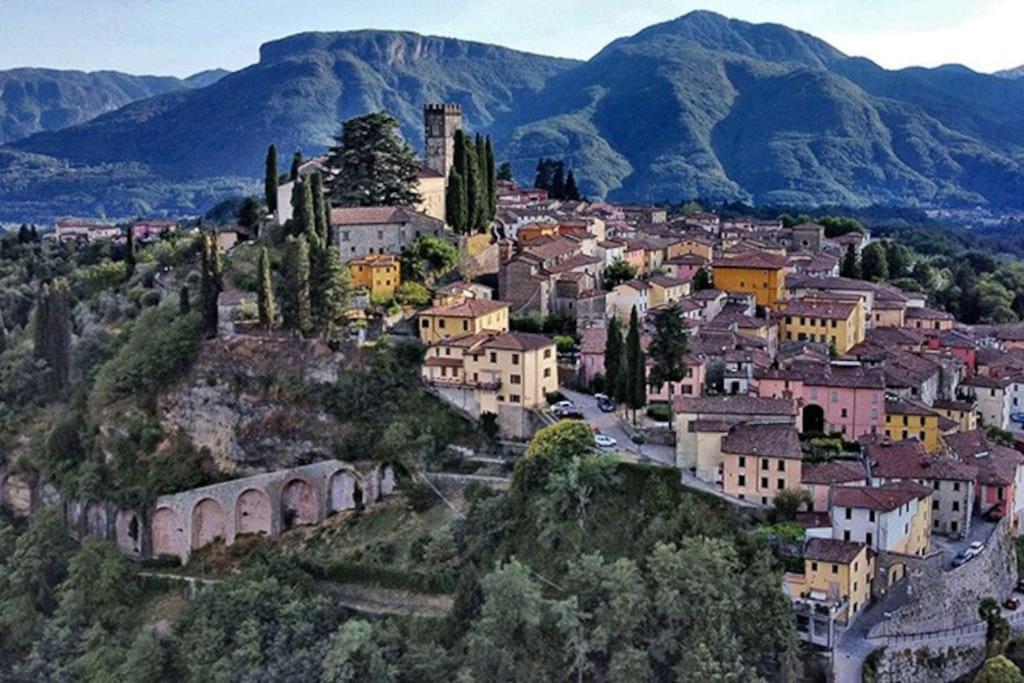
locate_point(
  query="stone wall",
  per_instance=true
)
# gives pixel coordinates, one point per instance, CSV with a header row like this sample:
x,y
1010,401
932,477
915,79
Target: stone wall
x,y
944,600
926,665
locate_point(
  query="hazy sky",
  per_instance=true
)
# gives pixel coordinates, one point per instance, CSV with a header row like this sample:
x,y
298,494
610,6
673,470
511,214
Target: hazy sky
x,y
181,37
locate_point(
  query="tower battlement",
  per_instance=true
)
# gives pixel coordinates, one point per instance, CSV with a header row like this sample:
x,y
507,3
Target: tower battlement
x,y
447,107
440,121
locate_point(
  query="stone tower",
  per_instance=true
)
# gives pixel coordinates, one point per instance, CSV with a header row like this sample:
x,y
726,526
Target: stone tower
x,y
440,121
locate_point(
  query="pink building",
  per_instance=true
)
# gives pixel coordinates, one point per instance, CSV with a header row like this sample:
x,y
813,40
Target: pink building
x,y
635,255
684,267
691,385
592,352
818,479
836,397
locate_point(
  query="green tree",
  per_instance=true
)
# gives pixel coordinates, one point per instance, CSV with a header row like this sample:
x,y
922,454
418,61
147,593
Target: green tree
x,y
492,181
412,294
993,301
456,212
331,291
788,502
505,171
557,188
53,331
211,282
898,258
572,192
184,304
295,299
305,211
293,173
355,654
3,333
428,259
851,264
270,179
321,209
874,263
129,252
634,368
701,280
613,355
249,213
999,669
146,660
618,272
668,348
265,292
371,165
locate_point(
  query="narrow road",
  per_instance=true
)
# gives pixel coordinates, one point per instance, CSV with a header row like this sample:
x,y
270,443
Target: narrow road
x,y
609,425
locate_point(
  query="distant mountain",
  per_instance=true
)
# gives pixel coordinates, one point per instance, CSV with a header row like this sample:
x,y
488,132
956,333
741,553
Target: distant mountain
x,y
34,100
701,106
1015,72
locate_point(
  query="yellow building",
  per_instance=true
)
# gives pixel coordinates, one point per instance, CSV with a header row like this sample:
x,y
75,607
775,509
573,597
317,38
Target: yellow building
x,y
698,246
963,413
909,420
470,316
431,186
380,274
501,368
663,290
836,571
837,323
761,460
760,274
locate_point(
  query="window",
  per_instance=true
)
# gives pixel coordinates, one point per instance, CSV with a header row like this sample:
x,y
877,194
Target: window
x,y
844,412
764,482
465,325
935,505
846,535
782,466
424,323
835,397
547,353
780,484
515,359
380,234
764,463
494,357
871,515
514,398
956,486
867,538
835,568
814,566
741,480
440,323
953,526
515,379
742,461
849,513
921,436
547,372
956,506
935,484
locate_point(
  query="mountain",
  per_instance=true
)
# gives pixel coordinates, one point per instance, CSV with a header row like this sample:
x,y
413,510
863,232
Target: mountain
x,y
701,106
34,100
1015,72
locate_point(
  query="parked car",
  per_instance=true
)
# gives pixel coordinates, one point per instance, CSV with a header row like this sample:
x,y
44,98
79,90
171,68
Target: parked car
x,y
960,559
601,397
606,405
1017,417
1011,603
605,441
975,548
568,414
562,405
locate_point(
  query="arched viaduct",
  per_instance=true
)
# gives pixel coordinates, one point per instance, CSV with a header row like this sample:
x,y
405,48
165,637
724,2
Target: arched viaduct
x,y
270,503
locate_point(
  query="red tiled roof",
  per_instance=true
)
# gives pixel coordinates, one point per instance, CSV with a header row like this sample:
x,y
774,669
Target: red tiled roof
x,y
832,472
469,308
829,310
884,499
768,440
753,259
734,405
832,550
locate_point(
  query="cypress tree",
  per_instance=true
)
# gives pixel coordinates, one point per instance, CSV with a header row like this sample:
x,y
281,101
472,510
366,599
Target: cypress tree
x,y
492,181
484,198
41,322
557,189
3,333
321,211
296,307
613,358
211,283
270,179
265,293
850,267
473,191
293,173
572,193
634,370
335,289
668,348
52,334
184,303
305,216
455,202
461,151
129,253
543,178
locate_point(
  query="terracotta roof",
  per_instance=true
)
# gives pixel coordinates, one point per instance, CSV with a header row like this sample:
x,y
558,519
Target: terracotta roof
x,y
470,308
638,285
825,374
832,472
508,341
373,215
830,310
884,498
664,281
769,440
987,382
908,460
753,259
901,406
832,550
960,406
432,361
734,405
593,340
712,425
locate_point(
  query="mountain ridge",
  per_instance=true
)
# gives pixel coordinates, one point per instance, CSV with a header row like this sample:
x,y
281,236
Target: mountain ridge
x,y
698,106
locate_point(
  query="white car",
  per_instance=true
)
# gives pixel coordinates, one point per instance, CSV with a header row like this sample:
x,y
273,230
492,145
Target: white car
x,y
563,405
974,549
605,441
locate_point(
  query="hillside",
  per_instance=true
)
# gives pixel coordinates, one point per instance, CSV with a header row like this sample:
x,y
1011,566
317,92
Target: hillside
x,y
1015,72
35,100
701,106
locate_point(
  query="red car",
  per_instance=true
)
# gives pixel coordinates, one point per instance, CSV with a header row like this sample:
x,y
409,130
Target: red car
x,y
1011,603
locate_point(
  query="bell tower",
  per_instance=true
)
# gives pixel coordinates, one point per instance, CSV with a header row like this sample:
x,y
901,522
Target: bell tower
x,y
440,121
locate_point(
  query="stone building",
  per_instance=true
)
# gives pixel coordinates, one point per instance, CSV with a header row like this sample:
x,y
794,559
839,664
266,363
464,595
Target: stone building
x,y
359,231
440,121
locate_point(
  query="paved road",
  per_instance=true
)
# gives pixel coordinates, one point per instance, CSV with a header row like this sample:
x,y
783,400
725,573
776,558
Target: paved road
x,y
608,424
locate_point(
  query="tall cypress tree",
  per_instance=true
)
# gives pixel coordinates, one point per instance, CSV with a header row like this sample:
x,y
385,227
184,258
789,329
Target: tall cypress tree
x,y
296,308
211,283
293,173
321,209
572,193
270,179
184,301
455,202
668,348
492,181
129,252
474,194
265,292
613,359
851,266
52,332
558,181
306,216
635,384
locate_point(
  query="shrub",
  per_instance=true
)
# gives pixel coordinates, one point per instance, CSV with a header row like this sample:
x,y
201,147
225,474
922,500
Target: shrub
x,y
412,294
661,412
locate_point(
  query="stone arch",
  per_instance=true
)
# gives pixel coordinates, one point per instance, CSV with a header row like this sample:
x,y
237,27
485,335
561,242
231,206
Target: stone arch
x,y
168,530
253,512
299,504
208,523
813,421
342,488
127,531
96,521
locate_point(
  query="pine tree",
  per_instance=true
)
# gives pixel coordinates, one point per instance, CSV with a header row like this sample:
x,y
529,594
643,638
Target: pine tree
x,y
613,359
635,384
492,181
129,253
668,348
270,180
505,171
184,303
293,173
371,165
455,202
265,292
572,193
321,209
52,332
557,189
296,308
850,267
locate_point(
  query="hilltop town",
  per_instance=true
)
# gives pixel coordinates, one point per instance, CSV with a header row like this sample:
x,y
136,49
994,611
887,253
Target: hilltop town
x,y
796,377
